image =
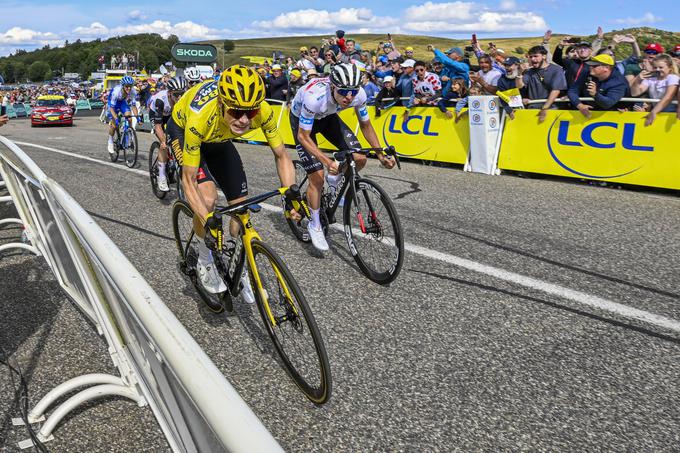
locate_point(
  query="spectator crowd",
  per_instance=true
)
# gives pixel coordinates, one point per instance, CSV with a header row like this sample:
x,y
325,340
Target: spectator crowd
x,y
571,74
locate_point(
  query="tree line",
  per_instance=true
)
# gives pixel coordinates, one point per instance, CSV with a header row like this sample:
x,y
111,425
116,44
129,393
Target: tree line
x,y
83,57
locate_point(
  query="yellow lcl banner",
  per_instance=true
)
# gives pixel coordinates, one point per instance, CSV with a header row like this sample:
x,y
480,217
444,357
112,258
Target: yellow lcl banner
x,y
427,133
610,146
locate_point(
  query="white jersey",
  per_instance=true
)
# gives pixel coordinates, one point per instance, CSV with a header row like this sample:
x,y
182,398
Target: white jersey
x,y
163,97
315,101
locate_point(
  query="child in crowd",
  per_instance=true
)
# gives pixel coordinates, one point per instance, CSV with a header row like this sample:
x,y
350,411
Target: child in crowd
x,y
459,92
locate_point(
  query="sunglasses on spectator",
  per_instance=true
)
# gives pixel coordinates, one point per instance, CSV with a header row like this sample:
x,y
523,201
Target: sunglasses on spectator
x,y
238,113
344,92
420,70
651,52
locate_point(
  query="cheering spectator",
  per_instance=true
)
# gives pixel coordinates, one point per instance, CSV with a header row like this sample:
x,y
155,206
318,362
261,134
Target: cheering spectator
x,y
408,52
426,86
676,54
277,83
607,86
453,62
487,77
661,84
508,81
312,74
541,81
388,91
459,91
350,53
405,82
329,60
634,56
294,84
369,86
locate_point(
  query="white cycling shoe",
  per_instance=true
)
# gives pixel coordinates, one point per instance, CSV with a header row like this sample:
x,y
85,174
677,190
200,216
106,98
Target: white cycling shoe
x,y
163,184
109,148
210,278
246,289
318,238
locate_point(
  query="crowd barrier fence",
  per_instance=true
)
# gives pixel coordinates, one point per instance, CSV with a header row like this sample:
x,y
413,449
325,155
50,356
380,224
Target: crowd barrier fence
x,y
159,363
610,146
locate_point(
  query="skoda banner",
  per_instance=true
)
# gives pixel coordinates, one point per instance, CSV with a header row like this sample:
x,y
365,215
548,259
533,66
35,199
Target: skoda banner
x,y
194,53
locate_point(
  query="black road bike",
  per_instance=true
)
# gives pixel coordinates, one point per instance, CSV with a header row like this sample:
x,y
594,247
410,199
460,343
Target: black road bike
x,y
280,301
370,220
173,171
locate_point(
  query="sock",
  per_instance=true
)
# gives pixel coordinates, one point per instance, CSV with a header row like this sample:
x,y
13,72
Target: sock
x,y
110,139
161,169
333,179
204,255
315,218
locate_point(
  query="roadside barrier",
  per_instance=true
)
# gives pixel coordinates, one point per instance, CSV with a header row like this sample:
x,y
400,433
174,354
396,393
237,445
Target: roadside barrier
x,y
610,146
159,363
83,104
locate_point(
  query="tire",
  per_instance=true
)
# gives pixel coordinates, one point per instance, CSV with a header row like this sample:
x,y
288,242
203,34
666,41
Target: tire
x,y
153,170
182,226
299,229
116,148
130,150
374,237
296,338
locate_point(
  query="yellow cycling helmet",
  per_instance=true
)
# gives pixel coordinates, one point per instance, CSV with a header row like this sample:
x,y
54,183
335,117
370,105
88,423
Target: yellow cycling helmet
x,y
240,87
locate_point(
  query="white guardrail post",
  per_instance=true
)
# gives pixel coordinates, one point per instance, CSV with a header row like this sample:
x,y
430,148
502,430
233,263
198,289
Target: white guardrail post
x,y
158,360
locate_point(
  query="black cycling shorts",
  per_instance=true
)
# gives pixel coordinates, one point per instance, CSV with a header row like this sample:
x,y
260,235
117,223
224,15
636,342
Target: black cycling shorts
x,y
159,119
333,129
220,163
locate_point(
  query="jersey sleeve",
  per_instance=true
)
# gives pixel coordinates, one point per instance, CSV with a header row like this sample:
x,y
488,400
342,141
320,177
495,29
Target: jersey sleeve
x,y
194,135
361,109
113,96
269,126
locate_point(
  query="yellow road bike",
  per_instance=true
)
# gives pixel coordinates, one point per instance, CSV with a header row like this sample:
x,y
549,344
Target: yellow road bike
x,y
280,301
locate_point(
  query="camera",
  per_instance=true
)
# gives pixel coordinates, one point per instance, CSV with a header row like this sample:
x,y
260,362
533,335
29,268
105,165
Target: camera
x,y
574,40
469,49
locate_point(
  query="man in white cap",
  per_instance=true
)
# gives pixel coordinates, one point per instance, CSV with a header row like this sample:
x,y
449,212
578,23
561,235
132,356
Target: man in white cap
x,y
405,83
276,84
388,91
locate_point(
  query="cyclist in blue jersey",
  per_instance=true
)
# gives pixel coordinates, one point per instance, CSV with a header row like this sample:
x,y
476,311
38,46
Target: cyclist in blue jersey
x,y
121,101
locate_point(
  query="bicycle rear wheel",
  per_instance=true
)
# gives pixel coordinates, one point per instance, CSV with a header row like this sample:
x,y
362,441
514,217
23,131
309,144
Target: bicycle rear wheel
x,y
299,228
153,170
187,241
290,324
130,147
373,232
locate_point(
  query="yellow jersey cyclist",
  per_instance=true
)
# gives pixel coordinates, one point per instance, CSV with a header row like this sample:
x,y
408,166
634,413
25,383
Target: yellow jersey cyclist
x,y
203,123
315,110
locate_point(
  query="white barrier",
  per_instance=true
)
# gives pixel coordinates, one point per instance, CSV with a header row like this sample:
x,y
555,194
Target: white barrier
x,y
158,361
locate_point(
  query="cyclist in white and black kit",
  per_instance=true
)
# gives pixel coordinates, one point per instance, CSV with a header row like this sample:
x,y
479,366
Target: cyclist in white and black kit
x,y
315,110
160,112
192,75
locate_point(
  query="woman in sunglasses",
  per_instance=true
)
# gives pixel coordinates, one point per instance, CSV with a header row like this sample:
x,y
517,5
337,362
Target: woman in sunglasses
x,y
203,123
315,110
160,110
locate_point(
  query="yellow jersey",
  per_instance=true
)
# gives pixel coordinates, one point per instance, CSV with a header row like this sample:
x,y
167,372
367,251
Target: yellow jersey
x,y
200,115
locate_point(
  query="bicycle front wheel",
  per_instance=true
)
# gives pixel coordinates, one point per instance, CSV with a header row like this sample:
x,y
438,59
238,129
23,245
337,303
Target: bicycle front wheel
x,y
373,232
187,241
290,324
153,170
130,147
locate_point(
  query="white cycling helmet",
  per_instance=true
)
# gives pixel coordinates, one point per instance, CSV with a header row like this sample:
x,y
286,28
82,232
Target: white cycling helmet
x,y
346,75
192,74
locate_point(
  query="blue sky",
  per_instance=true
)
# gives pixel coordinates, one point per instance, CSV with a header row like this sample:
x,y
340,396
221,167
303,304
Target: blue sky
x,y
36,23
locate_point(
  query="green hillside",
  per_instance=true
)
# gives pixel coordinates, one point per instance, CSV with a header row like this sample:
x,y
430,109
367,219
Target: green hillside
x,y
290,45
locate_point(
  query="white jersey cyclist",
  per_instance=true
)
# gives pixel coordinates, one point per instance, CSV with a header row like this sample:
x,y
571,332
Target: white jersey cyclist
x,y
159,105
315,101
315,111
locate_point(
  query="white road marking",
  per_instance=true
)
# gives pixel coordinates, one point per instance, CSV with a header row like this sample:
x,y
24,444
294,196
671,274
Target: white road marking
x,y
501,274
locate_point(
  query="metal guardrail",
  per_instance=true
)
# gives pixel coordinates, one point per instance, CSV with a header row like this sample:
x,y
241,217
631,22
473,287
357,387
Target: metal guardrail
x,y
158,360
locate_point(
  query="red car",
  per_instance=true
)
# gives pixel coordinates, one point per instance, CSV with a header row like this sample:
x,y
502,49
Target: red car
x,y
51,110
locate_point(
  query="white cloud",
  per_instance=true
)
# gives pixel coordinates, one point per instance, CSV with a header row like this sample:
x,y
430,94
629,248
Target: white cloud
x,y
314,19
429,11
136,15
188,30
472,19
647,18
508,5
20,36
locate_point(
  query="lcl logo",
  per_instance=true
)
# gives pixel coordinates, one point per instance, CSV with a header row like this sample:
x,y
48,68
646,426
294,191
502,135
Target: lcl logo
x,y
627,140
411,126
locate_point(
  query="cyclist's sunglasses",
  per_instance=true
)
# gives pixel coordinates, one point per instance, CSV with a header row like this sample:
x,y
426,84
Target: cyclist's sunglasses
x,y
347,91
238,113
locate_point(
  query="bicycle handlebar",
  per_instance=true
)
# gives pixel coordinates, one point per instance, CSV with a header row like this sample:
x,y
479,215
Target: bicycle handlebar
x,y
340,156
290,194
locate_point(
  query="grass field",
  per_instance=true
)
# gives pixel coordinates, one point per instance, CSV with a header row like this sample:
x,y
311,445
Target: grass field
x,y
290,45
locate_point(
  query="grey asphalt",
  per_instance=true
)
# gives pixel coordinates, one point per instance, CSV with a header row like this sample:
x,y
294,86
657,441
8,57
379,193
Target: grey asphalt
x,y
444,359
